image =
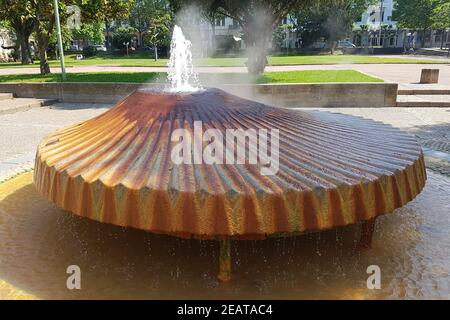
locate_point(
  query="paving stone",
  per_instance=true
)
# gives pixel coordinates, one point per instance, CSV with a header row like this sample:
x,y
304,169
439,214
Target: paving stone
x,y
9,106
428,100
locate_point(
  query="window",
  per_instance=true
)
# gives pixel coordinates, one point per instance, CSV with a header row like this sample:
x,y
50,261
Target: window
x,y
220,22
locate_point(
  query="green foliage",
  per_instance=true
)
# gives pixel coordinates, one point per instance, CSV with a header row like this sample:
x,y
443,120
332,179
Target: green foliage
x,y
331,19
123,35
441,16
145,11
19,15
310,23
66,36
159,32
414,14
90,33
104,10
89,51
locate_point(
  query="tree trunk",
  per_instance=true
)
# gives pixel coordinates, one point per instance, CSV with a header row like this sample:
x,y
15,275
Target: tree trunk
x,y
333,46
108,37
43,39
140,40
24,50
257,60
23,29
25,57
257,45
43,61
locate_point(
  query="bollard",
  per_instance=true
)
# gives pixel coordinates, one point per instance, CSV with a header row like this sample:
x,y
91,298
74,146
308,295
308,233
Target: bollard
x,y
429,76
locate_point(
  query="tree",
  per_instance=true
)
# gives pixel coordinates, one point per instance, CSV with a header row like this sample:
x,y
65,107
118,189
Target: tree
x,y
159,32
90,32
331,19
415,14
341,15
441,15
441,19
27,16
145,13
363,32
258,20
280,35
106,11
310,24
44,22
18,14
387,32
124,35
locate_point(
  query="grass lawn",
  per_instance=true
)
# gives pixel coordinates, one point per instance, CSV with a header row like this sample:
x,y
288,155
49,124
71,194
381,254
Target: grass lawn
x,y
207,79
316,76
140,60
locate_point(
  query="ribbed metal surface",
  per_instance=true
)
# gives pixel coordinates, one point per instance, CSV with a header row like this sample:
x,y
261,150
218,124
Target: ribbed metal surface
x,y
334,169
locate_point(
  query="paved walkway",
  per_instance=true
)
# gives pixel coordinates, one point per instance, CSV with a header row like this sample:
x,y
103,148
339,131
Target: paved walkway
x,y
431,127
400,73
22,131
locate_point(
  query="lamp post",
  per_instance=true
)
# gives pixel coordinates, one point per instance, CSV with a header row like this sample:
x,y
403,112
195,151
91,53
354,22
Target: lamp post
x,y
155,46
60,46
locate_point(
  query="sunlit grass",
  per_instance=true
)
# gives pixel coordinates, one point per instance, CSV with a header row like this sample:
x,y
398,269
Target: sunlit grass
x,y
145,60
316,76
208,79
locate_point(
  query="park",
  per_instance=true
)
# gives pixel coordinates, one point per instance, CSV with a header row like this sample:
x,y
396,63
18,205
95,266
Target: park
x,y
167,150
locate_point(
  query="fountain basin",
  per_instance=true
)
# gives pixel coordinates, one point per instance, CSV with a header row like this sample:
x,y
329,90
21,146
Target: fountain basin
x,y
334,170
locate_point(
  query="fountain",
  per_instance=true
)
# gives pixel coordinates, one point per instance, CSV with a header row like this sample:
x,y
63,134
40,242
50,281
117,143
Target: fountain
x,y
181,76
331,170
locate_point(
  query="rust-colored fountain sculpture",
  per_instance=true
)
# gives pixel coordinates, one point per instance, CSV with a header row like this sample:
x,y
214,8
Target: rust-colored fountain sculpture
x,y
332,170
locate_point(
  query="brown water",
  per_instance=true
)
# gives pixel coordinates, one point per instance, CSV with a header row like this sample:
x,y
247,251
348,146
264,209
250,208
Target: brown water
x,y
38,241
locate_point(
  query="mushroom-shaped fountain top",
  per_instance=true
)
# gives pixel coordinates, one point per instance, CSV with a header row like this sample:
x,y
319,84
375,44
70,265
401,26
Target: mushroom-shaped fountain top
x,y
332,170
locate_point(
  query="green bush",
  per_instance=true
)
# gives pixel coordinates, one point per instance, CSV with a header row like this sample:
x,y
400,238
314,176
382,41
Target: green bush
x,y
89,51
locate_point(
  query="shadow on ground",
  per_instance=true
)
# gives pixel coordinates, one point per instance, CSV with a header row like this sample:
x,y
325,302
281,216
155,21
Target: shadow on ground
x,y
79,106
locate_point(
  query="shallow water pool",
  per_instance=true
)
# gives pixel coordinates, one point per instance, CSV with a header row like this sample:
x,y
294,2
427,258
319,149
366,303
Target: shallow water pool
x,y
39,241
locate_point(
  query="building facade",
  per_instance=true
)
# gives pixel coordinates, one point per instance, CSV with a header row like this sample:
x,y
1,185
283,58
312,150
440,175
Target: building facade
x,y
224,35
376,27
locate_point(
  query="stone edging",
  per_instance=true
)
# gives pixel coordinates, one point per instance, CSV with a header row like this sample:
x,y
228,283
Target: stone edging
x,y
305,95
